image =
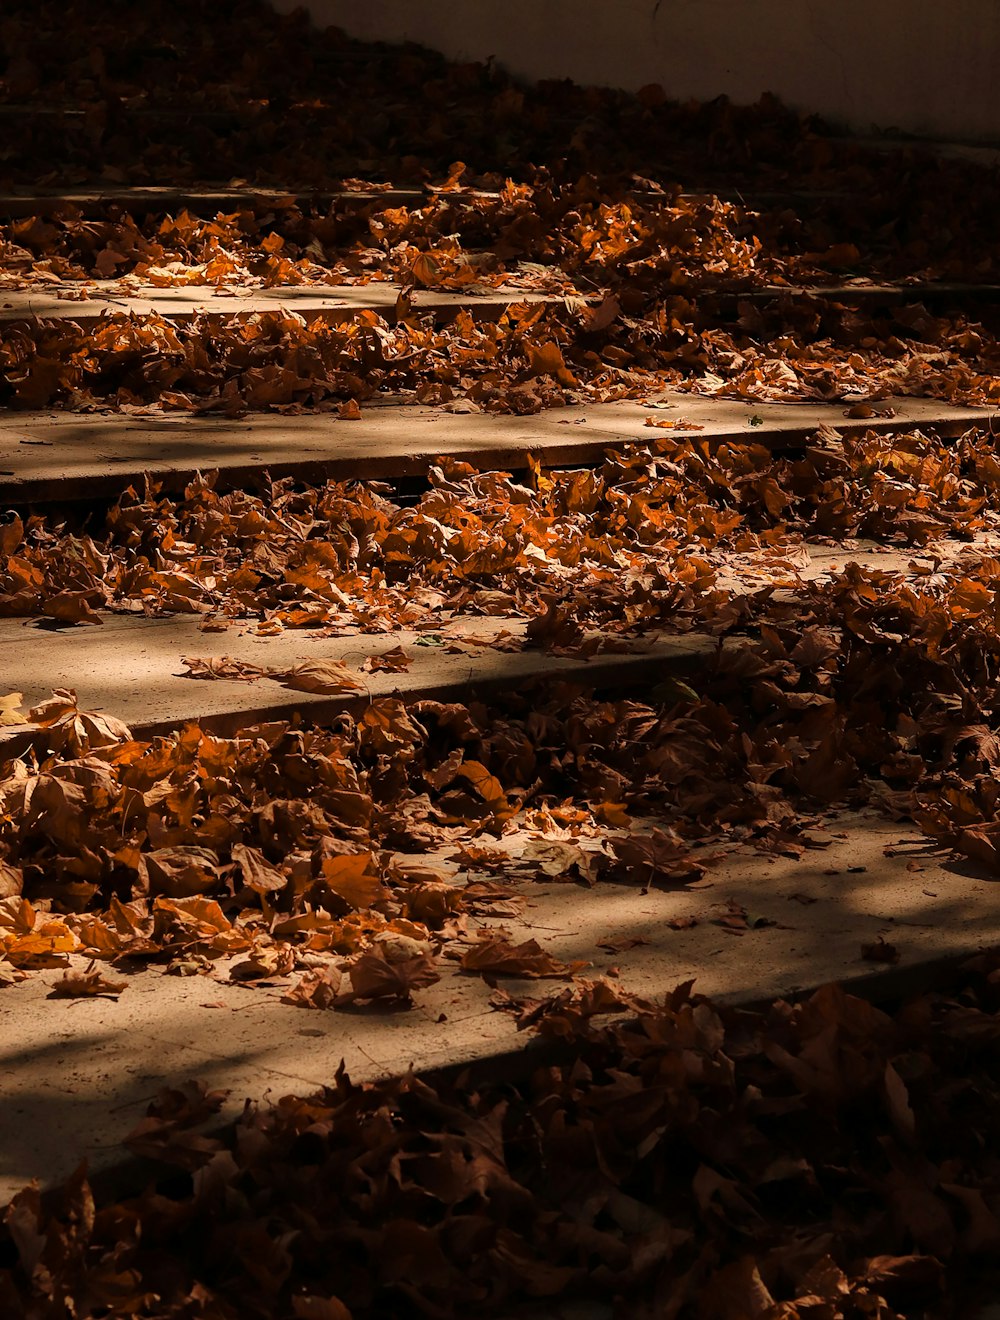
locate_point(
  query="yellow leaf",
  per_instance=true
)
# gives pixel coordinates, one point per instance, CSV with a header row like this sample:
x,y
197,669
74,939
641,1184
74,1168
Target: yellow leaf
x,y
9,712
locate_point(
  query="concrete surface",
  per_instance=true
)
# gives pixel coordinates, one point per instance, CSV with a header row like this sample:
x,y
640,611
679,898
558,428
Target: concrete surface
x,y
76,1075
65,456
88,302
921,68
93,200
21,202
132,668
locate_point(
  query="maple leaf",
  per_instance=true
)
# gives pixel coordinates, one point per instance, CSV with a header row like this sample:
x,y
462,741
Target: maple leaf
x,y
547,359
601,317
555,858
352,877
71,607
196,923
182,871
374,977
555,628
57,708
673,424
221,666
274,960
880,951
45,945
660,858
484,782
395,661
622,943
166,1133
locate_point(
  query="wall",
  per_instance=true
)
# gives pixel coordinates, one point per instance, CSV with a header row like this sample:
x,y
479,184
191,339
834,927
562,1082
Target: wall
x,y
917,66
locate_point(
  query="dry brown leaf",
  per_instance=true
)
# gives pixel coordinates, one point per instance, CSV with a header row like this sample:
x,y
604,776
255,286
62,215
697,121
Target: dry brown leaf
x,y
315,989
322,676
221,666
9,974
71,607
497,955
182,871
353,878
264,963
673,424
880,951
55,709
88,984
621,943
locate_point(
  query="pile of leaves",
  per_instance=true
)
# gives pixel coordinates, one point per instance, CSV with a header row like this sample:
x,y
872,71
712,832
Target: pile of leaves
x,y
533,357
823,1159
283,845
675,533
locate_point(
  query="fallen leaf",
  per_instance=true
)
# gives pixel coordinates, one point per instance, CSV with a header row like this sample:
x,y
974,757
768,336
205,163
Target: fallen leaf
x,y
87,984
10,713
258,873
322,676
374,977
315,989
880,952
496,954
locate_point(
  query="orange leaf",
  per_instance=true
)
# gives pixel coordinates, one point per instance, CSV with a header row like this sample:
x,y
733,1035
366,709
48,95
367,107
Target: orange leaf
x,y
350,878
86,985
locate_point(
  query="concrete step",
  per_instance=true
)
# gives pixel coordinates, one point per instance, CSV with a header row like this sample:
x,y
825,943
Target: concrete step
x,y
93,200
83,1071
57,456
133,667
89,302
